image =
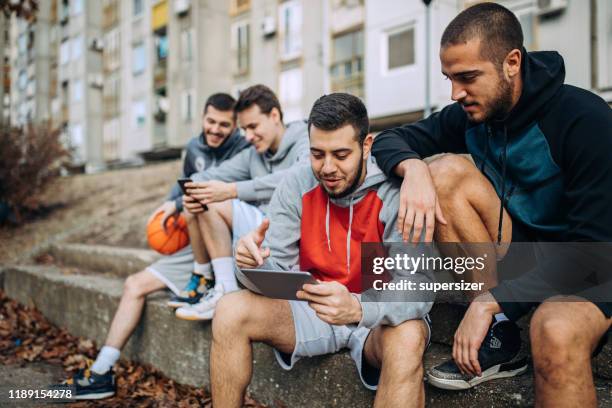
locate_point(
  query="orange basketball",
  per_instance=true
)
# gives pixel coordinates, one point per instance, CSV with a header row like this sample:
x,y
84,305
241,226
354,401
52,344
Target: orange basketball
x,y
168,243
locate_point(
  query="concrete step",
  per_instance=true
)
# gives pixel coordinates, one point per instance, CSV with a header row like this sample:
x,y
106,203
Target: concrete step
x,y
113,260
85,305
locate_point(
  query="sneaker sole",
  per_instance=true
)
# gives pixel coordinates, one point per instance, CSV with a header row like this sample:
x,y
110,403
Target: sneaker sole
x,y
176,305
196,318
98,396
487,375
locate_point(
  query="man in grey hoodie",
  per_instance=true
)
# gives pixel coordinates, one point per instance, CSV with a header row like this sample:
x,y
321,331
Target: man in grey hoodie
x,y
236,193
320,214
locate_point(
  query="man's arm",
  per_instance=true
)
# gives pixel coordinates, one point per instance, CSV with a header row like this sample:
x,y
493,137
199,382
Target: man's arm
x,y
394,308
262,188
232,170
441,132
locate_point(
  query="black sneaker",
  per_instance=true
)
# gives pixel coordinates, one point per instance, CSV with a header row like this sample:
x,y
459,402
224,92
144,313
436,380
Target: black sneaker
x,y
498,357
89,385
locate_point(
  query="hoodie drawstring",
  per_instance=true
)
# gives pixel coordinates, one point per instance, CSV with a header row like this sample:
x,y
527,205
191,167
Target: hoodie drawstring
x,y
348,238
327,226
348,235
503,194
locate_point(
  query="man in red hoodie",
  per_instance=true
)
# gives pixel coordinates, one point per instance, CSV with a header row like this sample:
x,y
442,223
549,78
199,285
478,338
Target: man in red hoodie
x,y
319,216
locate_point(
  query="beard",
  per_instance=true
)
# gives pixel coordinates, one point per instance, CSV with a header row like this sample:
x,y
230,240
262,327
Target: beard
x,y
354,184
502,102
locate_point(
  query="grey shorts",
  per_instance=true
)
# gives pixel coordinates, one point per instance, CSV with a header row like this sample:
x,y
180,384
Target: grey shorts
x,y
314,337
176,269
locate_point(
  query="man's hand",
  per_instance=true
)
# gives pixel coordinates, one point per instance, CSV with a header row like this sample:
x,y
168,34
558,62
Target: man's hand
x,y
249,253
471,332
212,191
418,205
192,205
168,208
332,301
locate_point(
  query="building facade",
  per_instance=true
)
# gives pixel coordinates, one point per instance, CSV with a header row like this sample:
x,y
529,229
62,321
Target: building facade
x,y
124,77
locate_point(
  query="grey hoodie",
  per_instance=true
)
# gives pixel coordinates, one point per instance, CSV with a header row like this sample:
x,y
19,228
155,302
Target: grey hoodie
x,y
311,231
199,157
257,175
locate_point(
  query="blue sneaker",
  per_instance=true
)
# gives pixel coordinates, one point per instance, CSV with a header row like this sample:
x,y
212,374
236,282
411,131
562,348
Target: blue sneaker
x,y
193,292
89,385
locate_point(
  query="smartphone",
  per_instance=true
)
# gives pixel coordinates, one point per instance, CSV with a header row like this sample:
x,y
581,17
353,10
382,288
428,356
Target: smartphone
x,y
182,182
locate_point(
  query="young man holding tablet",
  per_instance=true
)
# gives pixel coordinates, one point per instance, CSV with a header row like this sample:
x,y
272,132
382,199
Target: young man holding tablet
x,y
319,216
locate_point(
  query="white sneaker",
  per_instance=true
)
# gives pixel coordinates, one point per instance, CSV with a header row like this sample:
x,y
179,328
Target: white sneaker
x,y
205,308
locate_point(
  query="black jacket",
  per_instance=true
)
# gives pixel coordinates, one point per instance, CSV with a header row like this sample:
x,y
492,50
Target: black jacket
x,y
549,161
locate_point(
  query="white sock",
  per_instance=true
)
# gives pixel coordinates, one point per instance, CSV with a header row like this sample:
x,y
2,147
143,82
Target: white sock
x,y
224,273
500,317
106,359
203,269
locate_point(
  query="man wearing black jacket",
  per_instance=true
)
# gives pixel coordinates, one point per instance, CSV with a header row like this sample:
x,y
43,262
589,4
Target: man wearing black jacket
x,y
543,173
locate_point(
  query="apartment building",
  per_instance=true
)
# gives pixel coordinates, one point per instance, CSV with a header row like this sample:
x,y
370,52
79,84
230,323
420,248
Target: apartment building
x,y
33,61
198,63
280,44
80,81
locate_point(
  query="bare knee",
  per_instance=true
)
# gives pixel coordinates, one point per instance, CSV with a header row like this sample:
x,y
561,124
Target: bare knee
x,y
133,286
403,347
448,172
556,342
231,315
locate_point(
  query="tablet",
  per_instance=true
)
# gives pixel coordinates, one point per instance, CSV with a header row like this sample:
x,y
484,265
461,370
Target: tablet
x,y
278,284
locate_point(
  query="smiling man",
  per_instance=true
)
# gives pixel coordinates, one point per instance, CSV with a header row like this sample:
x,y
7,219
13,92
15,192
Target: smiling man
x,y
189,267
237,192
320,214
543,173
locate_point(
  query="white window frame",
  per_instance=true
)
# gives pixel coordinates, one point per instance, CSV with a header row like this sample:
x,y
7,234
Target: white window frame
x,y
384,47
236,49
290,29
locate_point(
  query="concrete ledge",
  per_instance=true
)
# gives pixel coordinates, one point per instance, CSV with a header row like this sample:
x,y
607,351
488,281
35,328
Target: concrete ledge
x,y
85,305
115,260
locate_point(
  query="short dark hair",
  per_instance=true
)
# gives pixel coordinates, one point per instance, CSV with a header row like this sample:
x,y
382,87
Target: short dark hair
x,y
497,27
220,101
333,111
261,96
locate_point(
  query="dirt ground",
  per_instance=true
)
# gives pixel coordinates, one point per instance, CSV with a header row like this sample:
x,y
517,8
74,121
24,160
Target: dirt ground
x,y
108,208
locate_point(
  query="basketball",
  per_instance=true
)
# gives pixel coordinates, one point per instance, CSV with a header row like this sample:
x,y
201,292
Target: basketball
x,y
168,243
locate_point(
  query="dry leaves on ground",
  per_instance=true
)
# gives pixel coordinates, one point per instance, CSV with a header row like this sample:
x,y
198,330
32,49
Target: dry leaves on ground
x,y
26,336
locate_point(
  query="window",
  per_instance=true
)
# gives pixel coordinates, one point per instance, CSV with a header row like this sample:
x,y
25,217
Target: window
x,y
240,42
347,63
111,52
138,7
187,105
77,48
22,43
139,110
187,44
77,90
64,52
23,80
290,93
161,46
76,135
138,59
400,48
77,7
290,22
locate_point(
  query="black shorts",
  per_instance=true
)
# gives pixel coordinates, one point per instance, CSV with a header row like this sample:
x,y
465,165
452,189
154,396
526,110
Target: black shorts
x,y
521,233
